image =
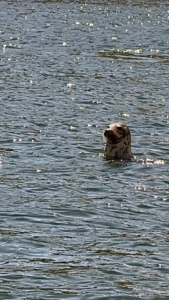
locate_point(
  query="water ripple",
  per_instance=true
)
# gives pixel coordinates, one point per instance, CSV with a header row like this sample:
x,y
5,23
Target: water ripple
x,y
68,217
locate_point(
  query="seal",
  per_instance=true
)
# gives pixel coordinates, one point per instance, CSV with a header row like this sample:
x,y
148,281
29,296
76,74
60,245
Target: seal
x,y
118,144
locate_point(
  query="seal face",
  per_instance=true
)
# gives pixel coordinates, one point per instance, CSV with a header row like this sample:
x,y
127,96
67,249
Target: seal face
x,y
118,142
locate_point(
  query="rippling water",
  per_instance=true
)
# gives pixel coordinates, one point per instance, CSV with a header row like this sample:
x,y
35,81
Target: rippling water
x,y
73,225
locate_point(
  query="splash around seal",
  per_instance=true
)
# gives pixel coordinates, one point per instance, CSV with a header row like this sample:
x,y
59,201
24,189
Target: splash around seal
x,y
118,144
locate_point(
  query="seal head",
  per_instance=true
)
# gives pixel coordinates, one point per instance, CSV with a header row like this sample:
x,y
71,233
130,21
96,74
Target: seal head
x,y
118,142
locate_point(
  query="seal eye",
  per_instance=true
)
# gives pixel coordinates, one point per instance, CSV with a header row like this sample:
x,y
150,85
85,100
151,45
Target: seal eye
x,y
120,129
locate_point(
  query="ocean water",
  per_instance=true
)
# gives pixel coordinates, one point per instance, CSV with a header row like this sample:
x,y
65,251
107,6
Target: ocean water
x,y
73,225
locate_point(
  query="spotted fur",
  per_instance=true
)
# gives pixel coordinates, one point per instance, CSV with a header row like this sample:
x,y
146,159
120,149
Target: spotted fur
x,y
118,142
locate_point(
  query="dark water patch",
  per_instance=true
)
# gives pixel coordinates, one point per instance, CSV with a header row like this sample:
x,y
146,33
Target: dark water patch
x,y
135,55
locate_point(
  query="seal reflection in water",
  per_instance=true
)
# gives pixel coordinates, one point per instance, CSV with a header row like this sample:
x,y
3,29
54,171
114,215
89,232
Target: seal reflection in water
x,y
118,142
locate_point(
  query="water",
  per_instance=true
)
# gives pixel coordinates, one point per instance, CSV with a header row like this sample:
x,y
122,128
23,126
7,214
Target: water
x,y
73,225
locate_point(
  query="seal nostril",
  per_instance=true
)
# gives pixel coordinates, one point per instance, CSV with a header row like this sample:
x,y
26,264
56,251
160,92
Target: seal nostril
x,y
106,132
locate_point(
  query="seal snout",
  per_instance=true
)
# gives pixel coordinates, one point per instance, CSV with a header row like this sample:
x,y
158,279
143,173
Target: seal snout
x,y
113,133
110,135
106,132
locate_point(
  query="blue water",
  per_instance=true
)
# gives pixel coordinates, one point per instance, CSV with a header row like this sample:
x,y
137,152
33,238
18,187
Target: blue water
x,y
73,225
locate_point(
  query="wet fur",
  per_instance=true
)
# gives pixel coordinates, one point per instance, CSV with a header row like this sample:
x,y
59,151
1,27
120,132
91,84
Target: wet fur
x,y
118,142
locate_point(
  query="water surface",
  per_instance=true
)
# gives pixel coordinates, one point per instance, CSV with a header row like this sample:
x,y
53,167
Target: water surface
x,y
73,225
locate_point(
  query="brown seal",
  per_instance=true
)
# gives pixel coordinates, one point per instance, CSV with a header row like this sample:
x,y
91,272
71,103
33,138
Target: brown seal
x,y
118,142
